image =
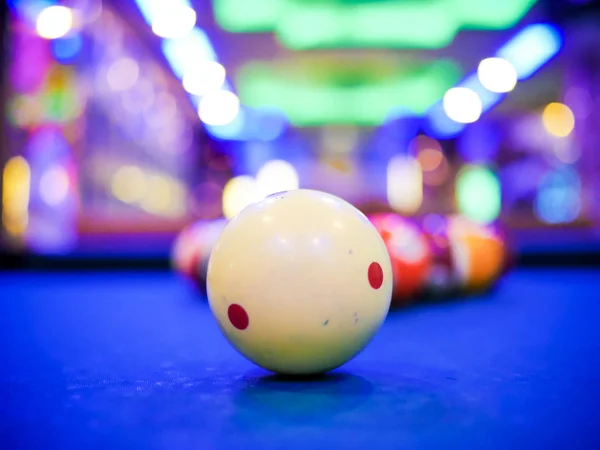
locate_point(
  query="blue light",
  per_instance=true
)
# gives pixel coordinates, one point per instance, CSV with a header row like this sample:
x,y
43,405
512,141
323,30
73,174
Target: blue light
x,y
530,49
181,52
13,4
256,124
479,143
146,7
394,136
439,126
267,124
65,49
255,155
559,197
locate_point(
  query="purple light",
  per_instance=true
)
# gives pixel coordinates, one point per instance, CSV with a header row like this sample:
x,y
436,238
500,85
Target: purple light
x,y
479,143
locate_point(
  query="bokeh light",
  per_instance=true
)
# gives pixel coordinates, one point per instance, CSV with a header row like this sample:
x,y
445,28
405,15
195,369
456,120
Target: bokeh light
x,y
439,125
140,97
203,78
25,110
531,48
580,101
277,176
567,150
238,193
234,130
54,22
54,185
161,196
67,48
122,74
497,75
430,159
404,184
16,179
558,119
558,198
422,142
173,21
87,11
129,184
219,108
187,50
266,124
478,193
433,162
462,105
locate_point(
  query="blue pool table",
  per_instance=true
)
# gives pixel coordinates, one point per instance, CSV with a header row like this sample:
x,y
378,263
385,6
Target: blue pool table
x,y
134,360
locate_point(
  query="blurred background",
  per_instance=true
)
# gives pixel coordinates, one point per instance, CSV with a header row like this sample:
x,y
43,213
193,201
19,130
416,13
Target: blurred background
x,y
125,120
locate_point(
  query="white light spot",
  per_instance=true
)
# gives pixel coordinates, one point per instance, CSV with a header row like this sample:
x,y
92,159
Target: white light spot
x,y
238,193
219,108
497,75
277,176
404,184
204,78
173,21
54,185
122,74
54,22
462,105
163,197
129,184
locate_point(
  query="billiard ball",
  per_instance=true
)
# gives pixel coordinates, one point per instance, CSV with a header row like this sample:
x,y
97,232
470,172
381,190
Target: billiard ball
x,y
409,252
208,236
184,251
442,279
478,252
192,247
299,282
468,257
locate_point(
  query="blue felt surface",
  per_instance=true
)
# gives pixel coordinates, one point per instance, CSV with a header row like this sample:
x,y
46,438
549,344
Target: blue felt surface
x,y
134,360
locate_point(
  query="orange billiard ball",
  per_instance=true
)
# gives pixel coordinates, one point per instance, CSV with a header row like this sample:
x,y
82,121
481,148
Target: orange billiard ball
x,y
479,253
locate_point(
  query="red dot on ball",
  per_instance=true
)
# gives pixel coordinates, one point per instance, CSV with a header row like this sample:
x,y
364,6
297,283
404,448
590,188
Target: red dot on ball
x,y
375,275
238,316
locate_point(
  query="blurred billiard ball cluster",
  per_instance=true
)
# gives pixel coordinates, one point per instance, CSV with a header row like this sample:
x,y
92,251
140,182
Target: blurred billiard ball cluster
x,y
434,256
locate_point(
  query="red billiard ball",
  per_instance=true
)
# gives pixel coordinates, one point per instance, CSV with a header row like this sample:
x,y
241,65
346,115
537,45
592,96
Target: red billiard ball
x,y
184,251
409,253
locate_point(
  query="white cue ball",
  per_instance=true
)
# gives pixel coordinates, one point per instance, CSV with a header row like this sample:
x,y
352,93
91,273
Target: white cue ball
x,y
300,282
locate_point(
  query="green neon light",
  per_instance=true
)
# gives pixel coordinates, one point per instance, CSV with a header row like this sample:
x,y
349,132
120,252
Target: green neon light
x,y
306,24
478,193
334,93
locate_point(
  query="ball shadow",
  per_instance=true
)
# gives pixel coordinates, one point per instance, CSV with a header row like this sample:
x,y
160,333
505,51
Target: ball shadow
x,y
339,407
317,399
